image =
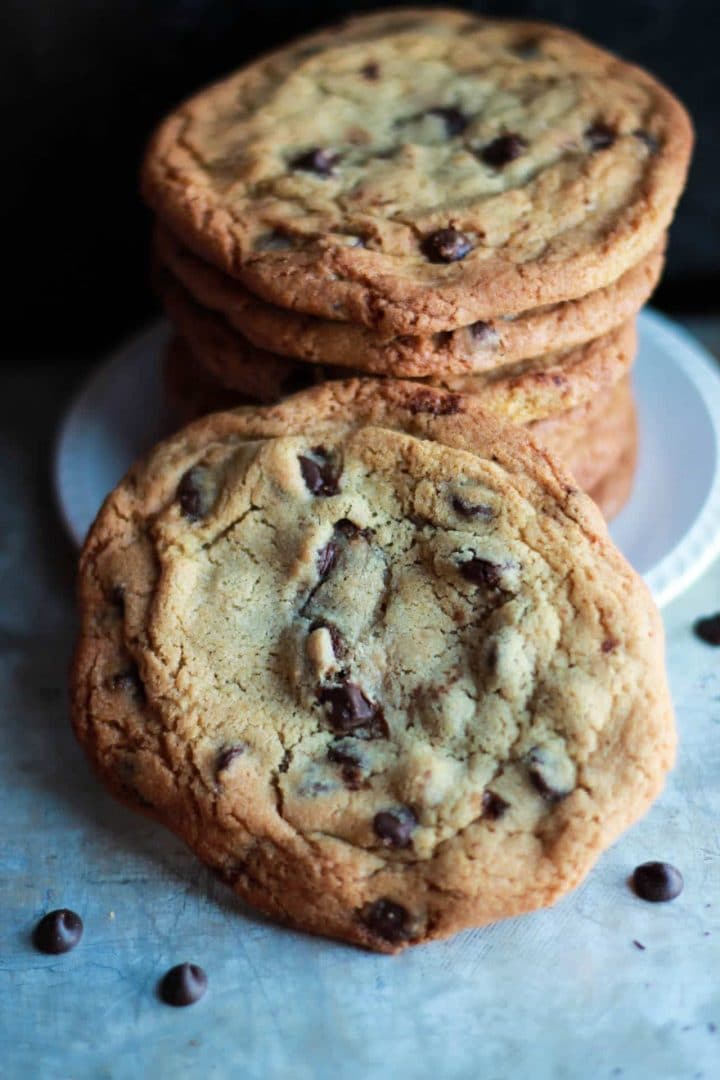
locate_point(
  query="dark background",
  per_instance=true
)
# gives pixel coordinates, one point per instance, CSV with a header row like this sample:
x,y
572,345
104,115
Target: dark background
x,y
84,81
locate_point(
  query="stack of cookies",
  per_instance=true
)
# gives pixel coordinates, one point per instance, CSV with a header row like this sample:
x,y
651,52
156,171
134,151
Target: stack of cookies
x,y
475,204
367,647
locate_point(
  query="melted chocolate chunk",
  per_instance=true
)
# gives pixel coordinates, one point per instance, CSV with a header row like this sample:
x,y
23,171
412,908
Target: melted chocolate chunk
x,y
503,150
483,331
319,160
348,708
58,931
183,985
387,919
326,558
472,510
547,774
483,572
227,755
454,119
435,403
708,629
650,141
395,827
319,476
600,136
193,495
128,682
657,881
371,71
344,530
493,807
446,246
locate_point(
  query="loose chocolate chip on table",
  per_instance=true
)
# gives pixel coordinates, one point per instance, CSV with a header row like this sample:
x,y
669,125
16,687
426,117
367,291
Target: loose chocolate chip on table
x,y
472,510
192,494
657,881
388,920
348,706
58,931
708,629
395,827
482,572
503,150
600,136
446,246
318,160
319,476
227,755
454,119
493,807
183,985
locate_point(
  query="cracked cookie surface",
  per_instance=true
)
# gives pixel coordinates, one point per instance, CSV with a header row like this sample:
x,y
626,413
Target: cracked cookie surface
x,y
417,171
373,656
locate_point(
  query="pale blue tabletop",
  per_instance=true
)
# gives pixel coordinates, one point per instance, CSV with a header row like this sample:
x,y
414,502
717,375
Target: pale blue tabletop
x,y
562,994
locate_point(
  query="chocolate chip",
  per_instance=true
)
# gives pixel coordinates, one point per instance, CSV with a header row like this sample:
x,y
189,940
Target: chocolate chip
x,y
193,494
650,141
708,629
348,706
128,682
183,985
483,572
493,807
435,402
638,945
117,597
657,881
387,919
472,510
326,558
608,645
503,150
318,160
600,136
552,776
483,331
227,755
454,119
351,761
58,931
371,71
319,476
446,246
395,827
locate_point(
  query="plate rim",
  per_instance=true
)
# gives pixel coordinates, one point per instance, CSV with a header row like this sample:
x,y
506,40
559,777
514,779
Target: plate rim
x,y
672,575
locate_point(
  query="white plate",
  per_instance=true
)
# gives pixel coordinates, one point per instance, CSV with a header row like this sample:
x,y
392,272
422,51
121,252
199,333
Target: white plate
x,y
669,530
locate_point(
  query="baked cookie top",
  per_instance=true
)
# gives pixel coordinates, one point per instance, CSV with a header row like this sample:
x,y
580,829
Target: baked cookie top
x,y
420,170
375,658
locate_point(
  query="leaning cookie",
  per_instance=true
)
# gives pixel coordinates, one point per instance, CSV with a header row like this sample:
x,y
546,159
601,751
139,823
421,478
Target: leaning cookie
x,y
418,171
374,657
483,346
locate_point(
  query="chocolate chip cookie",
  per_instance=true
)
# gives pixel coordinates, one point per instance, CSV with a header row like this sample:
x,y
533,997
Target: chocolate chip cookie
x,y
422,170
373,656
479,347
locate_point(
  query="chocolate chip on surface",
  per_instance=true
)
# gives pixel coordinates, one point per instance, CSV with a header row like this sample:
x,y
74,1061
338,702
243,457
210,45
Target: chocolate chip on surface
x,y
227,755
193,493
348,708
58,932
483,572
435,404
326,558
600,136
503,150
319,160
351,760
395,827
493,806
708,629
387,919
183,985
657,881
551,772
446,246
318,473
371,71
472,510
454,118
484,331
